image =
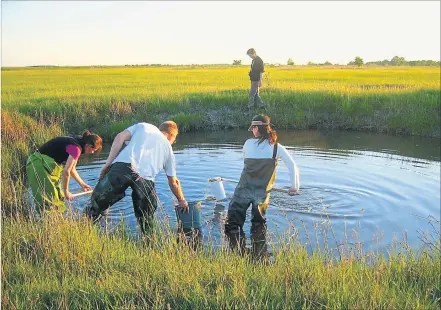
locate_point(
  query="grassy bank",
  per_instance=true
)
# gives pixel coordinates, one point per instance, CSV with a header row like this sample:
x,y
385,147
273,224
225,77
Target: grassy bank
x,y
64,264
396,100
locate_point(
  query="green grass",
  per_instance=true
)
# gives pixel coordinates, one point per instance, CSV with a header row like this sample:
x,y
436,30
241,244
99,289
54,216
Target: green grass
x,y
397,100
64,264
59,263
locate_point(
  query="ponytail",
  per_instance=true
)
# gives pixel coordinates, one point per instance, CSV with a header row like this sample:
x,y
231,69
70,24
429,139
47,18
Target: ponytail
x,y
86,133
90,138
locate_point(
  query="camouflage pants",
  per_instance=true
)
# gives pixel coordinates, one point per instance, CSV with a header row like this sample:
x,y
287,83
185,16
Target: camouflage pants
x,y
112,187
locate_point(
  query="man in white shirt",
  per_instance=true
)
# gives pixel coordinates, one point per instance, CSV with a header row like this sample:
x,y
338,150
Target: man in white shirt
x,y
148,151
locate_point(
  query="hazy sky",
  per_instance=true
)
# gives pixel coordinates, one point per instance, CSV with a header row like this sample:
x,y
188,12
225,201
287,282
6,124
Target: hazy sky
x,y
203,32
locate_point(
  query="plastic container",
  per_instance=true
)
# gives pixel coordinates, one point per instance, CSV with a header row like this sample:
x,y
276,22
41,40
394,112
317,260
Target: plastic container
x,y
217,188
192,218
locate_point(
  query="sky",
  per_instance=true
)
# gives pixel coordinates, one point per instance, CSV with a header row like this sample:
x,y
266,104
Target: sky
x,y
72,33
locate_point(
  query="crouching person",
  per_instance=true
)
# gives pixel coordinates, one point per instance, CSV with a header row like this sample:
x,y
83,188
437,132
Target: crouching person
x,y
148,151
56,161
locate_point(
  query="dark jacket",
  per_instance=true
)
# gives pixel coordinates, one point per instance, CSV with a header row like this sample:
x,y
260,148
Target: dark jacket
x,y
256,69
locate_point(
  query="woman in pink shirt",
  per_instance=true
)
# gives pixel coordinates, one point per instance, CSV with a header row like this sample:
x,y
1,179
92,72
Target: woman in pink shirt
x,y
45,169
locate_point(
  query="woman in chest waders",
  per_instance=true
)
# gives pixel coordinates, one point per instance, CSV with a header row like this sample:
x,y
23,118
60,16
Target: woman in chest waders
x,y
260,161
44,169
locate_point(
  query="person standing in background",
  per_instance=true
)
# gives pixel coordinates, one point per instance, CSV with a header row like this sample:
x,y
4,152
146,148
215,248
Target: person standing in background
x,y
257,69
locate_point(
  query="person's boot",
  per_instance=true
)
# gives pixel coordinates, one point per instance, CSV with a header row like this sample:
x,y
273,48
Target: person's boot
x,y
264,258
236,241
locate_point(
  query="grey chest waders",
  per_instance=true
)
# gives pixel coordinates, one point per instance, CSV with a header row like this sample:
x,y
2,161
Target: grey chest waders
x,y
255,183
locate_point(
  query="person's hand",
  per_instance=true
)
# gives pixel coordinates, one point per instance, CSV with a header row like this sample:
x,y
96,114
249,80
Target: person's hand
x,y
183,205
293,191
104,170
86,187
68,196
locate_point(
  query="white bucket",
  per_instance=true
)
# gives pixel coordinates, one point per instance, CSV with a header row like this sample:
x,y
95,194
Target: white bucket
x,y
217,188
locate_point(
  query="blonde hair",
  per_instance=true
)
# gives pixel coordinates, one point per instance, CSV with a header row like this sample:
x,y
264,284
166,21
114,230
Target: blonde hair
x,y
169,127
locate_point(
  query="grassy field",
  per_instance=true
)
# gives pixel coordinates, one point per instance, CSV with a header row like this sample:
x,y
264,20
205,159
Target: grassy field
x,y
59,263
397,100
64,264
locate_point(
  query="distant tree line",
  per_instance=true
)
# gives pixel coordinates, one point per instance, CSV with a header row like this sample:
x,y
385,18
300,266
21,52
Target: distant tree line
x,y
358,61
395,61
400,61
326,63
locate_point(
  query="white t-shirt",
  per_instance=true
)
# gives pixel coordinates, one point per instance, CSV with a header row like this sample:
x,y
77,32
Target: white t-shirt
x,y
251,149
148,151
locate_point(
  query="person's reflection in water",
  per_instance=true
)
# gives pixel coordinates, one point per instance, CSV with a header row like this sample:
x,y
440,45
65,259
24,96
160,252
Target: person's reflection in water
x,y
218,212
218,220
260,161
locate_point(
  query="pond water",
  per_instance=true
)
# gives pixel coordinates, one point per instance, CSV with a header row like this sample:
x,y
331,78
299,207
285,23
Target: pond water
x,y
354,187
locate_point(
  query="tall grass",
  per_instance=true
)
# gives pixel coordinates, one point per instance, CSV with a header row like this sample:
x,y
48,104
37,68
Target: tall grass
x,y
59,263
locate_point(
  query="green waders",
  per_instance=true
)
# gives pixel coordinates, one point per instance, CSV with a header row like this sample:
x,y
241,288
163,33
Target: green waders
x,y
44,178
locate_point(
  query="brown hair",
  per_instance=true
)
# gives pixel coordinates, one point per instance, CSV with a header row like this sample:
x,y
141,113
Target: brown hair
x,y
169,127
251,51
90,138
265,131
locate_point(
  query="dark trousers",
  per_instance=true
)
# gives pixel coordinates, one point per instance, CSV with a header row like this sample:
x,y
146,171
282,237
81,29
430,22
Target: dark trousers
x,y
112,187
234,226
254,96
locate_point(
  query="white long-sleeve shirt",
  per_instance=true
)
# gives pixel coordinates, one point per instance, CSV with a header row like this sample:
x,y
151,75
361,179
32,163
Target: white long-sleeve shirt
x,y
251,149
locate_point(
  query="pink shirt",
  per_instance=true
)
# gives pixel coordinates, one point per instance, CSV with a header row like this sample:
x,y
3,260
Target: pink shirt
x,y
74,151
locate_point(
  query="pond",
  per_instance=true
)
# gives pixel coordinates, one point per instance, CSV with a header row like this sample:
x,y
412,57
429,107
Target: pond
x,y
362,188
